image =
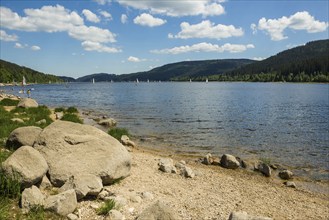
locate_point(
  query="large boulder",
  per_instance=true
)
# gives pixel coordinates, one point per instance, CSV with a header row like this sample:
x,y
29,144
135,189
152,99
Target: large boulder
x,y
26,165
63,203
72,149
157,211
23,136
27,103
229,161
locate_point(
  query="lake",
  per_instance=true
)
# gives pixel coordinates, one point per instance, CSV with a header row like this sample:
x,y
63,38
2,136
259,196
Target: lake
x,y
288,123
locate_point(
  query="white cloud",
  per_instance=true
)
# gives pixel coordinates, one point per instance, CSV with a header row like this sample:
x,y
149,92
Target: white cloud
x,y
35,48
19,46
258,58
253,27
101,2
57,19
298,21
92,33
105,14
90,16
177,8
206,29
135,59
96,46
206,47
148,20
7,37
124,18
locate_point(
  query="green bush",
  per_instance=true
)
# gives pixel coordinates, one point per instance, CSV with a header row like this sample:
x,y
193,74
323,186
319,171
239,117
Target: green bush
x,y
118,132
106,207
71,110
9,102
72,118
59,109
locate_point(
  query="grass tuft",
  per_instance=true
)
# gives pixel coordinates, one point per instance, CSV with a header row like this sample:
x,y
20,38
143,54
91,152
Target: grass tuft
x,y
118,132
71,117
9,102
106,207
59,109
71,110
266,160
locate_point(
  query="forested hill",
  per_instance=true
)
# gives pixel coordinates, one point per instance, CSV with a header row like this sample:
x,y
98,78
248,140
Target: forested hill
x,y
98,77
10,72
308,63
181,71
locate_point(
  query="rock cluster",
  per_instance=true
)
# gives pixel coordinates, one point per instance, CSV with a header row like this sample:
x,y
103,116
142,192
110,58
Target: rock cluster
x,y
80,159
167,165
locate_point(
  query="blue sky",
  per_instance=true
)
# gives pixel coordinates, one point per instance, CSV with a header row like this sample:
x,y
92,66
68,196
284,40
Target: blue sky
x,y
77,38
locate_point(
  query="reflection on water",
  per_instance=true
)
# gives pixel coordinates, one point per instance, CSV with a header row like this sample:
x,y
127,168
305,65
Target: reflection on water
x,y
286,122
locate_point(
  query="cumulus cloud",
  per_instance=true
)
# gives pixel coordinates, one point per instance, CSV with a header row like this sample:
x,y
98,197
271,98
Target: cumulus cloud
x,y
106,15
206,47
124,18
18,46
7,37
57,19
90,16
135,59
35,48
206,29
298,21
177,8
148,20
96,46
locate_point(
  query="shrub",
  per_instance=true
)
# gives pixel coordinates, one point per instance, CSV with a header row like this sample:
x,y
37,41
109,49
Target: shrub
x,y
59,109
118,132
9,102
106,207
71,110
266,160
72,118
9,187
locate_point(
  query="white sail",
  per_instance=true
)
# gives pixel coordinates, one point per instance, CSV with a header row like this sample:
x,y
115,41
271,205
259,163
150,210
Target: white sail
x,y
207,80
137,81
93,80
24,81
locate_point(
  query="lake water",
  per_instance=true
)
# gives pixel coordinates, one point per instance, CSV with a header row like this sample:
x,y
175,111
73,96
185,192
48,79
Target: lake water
x,y
288,123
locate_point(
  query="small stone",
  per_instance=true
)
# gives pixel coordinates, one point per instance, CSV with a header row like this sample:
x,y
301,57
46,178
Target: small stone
x,y
43,121
31,197
72,216
188,172
265,169
115,215
147,195
245,216
208,159
103,194
167,165
45,183
290,184
229,161
136,199
17,120
286,174
94,206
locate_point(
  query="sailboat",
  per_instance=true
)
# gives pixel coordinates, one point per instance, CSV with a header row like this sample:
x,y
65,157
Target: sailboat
x,y
23,84
190,80
207,80
93,81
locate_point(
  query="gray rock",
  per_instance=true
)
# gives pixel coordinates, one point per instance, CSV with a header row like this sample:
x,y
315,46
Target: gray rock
x,y
103,194
63,203
45,183
31,197
208,159
147,195
290,184
42,121
59,115
18,120
167,165
26,165
108,122
127,142
286,174
23,136
115,215
265,169
72,216
72,149
27,103
230,162
188,172
83,184
157,211
245,216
